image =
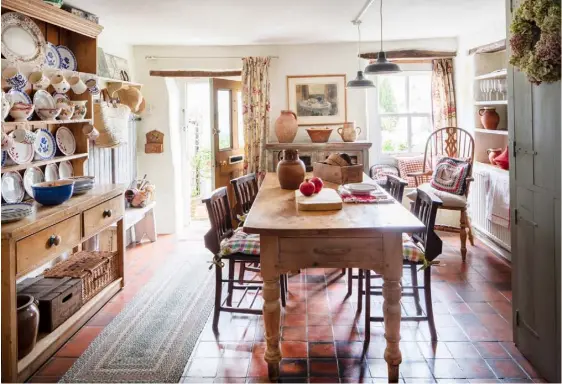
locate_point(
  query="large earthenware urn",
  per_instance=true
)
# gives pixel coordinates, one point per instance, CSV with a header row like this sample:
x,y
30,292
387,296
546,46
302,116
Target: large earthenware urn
x,y
286,127
28,323
349,132
489,118
290,169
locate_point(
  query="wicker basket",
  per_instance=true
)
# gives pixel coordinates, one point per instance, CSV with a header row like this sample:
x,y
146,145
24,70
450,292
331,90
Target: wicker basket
x,y
96,270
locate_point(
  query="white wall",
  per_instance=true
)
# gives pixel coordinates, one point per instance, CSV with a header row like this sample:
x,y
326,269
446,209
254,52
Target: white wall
x,y
293,60
114,46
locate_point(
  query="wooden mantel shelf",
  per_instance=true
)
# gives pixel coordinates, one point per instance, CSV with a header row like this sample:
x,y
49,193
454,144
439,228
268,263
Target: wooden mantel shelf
x,y
39,10
355,146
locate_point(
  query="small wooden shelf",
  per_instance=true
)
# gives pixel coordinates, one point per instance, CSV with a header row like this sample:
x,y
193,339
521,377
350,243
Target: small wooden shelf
x,y
491,102
492,75
56,159
492,131
130,83
47,344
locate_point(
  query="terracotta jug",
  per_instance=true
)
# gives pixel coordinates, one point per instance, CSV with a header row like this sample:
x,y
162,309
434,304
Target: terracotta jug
x,y
349,132
28,323
489,118
286,127
290,170
493,153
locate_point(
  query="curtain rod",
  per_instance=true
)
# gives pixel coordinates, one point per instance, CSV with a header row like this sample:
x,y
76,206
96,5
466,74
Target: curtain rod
x,y
197,57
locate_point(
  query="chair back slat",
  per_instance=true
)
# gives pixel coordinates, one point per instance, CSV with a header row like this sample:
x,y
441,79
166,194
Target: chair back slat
x,y
395,187
245,190
220,215
425,209
450,142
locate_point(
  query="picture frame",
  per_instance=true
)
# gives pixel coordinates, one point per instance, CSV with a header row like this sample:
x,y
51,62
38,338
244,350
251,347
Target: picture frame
x,y
318,99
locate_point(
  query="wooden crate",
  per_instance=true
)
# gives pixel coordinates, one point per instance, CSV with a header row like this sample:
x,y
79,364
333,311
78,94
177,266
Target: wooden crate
x,y
59,298
338,175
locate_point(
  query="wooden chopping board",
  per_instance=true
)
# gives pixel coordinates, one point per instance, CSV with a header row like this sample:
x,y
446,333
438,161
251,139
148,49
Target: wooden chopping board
x,y
326,200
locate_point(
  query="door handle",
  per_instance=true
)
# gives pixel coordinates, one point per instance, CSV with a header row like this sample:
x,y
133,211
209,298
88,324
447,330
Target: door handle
x,y
332,251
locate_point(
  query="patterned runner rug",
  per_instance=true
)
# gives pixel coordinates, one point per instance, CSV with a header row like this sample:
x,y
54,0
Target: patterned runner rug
x,y
152,338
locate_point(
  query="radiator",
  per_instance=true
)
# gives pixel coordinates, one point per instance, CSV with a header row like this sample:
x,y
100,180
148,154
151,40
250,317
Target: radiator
x,y
477,208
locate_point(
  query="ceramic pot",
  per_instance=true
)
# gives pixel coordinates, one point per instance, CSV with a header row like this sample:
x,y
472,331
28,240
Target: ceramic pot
x,y
319,135
28,323
349,132
286,127
493,153
290,170
502,160
80,109
489,118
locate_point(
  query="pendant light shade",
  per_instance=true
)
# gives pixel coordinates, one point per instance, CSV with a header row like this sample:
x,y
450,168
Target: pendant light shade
x,y
360,81
382,65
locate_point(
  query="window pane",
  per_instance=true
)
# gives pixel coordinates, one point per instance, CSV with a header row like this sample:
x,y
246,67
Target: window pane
x,y
394,134
392,94
223,119
421,129
420,93
240,122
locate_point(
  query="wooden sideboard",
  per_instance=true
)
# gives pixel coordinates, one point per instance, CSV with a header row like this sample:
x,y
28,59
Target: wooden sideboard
x,y
26,246
314,152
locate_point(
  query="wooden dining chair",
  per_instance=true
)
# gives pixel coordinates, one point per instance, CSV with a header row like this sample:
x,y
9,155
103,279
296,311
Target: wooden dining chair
x,y
220,216
456,143
419,249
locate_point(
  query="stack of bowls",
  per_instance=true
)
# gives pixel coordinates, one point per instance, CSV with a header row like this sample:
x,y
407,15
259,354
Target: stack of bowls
x,y
82,184
15,212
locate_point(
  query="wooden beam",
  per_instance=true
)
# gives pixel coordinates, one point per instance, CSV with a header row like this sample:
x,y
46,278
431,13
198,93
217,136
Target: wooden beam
x,y
196,73
408,54
496,46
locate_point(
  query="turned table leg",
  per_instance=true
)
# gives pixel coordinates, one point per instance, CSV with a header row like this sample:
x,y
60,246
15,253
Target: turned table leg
x,y
271,305
392,292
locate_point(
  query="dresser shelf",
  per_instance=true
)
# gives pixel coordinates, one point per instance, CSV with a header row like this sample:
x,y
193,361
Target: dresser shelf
x,y
56,159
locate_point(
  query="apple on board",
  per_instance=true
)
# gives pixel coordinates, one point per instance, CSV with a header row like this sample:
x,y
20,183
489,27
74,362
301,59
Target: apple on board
x,y
307,188
318,184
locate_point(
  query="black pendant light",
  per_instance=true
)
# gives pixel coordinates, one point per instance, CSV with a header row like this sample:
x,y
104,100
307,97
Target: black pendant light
x,y
360,81
382,66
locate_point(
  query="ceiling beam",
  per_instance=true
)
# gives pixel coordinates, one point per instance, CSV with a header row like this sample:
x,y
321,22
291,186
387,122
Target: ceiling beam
x,y
409,54
496,46
196,73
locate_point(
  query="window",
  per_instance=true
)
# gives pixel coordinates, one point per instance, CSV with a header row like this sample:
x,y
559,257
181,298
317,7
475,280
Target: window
x,y
404,111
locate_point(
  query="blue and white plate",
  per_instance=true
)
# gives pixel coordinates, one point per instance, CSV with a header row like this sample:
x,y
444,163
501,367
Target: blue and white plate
x,y
17,96
4,157
15,211
45,145
67,58
52,56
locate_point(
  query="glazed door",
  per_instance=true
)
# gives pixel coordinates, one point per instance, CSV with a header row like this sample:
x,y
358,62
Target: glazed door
x,y
228,132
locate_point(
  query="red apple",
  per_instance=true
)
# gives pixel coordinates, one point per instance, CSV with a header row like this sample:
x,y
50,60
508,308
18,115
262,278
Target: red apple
x,y
307,188
318,184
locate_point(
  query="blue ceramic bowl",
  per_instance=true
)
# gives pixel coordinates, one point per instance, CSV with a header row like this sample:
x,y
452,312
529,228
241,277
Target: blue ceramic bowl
x,y
53,192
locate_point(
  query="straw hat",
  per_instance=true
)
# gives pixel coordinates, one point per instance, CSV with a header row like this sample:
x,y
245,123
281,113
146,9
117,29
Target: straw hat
x,y
131,97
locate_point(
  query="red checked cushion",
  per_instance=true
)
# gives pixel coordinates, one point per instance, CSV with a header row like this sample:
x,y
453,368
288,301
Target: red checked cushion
x,y
241,242
408,165
450,175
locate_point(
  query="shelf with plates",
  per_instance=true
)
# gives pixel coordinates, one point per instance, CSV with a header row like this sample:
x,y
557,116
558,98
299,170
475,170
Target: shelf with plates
x,y
492,131
500,73
11,125
491,102
39,163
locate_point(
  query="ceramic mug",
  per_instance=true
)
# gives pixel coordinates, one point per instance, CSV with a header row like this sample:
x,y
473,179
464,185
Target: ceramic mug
x,y
39,80
92,85
7,141
15,78
24,136
77,85
90,131
59,83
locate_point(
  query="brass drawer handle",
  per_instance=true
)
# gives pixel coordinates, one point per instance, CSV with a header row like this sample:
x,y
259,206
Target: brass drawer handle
x,y
54,240
332,251
107,213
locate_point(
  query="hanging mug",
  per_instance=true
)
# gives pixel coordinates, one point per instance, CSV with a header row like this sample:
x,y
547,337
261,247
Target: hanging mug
x,y
90,131
92,85
77,85
14,78
59,83
24,136
39,80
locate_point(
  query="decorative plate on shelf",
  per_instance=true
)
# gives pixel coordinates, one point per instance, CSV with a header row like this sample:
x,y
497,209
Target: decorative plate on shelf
x,y
21,153
32,176
51,172
68,60
22,40
52,56
43,100
15,211
66,141
17,96
45,145
12,187
66,170
61,97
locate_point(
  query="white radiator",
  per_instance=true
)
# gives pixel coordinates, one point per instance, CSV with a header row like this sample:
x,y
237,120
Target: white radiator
x,y
477,200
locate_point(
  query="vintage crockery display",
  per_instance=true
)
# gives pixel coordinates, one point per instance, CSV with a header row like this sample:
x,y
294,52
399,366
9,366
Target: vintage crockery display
x,y
32,176
7,141
66,141
24,136
60,84
21,111
51,172
17,96
77,85
14,78
68,60
53,192
39,80
80,109
52,56
93,87
361,188
66,170
90,131
6,105
22,40
21,153
67,110
12,187
44,146
15,211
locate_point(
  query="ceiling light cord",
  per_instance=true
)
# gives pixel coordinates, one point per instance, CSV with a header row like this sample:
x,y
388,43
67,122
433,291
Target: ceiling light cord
x,y
381,24
358,23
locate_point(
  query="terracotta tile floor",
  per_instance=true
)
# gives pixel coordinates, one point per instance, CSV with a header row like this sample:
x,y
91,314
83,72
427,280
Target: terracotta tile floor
x,y
322,335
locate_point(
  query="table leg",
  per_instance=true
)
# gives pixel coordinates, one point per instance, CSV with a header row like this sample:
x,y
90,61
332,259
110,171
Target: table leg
x,y
392,292
271,306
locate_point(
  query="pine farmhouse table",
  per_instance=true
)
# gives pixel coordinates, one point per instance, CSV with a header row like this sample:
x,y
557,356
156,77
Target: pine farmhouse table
x,y
367,236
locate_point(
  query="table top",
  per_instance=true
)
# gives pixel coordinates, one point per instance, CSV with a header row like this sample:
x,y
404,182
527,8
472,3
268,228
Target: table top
x,y
275,213
44,216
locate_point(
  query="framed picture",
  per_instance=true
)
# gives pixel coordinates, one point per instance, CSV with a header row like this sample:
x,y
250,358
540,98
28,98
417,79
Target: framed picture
x,y
318,99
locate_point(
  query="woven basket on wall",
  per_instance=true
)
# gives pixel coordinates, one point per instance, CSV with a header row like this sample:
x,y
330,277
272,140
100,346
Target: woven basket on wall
x,y
111,120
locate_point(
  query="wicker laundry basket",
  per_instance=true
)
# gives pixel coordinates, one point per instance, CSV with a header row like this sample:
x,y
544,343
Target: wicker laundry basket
x,y
111,119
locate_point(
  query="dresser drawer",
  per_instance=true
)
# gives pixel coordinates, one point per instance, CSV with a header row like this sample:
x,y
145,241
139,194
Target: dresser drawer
x,y
37,249
103,215
340,252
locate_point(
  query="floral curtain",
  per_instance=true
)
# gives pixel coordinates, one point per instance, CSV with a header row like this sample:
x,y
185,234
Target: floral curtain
x,y
443,94
256,105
